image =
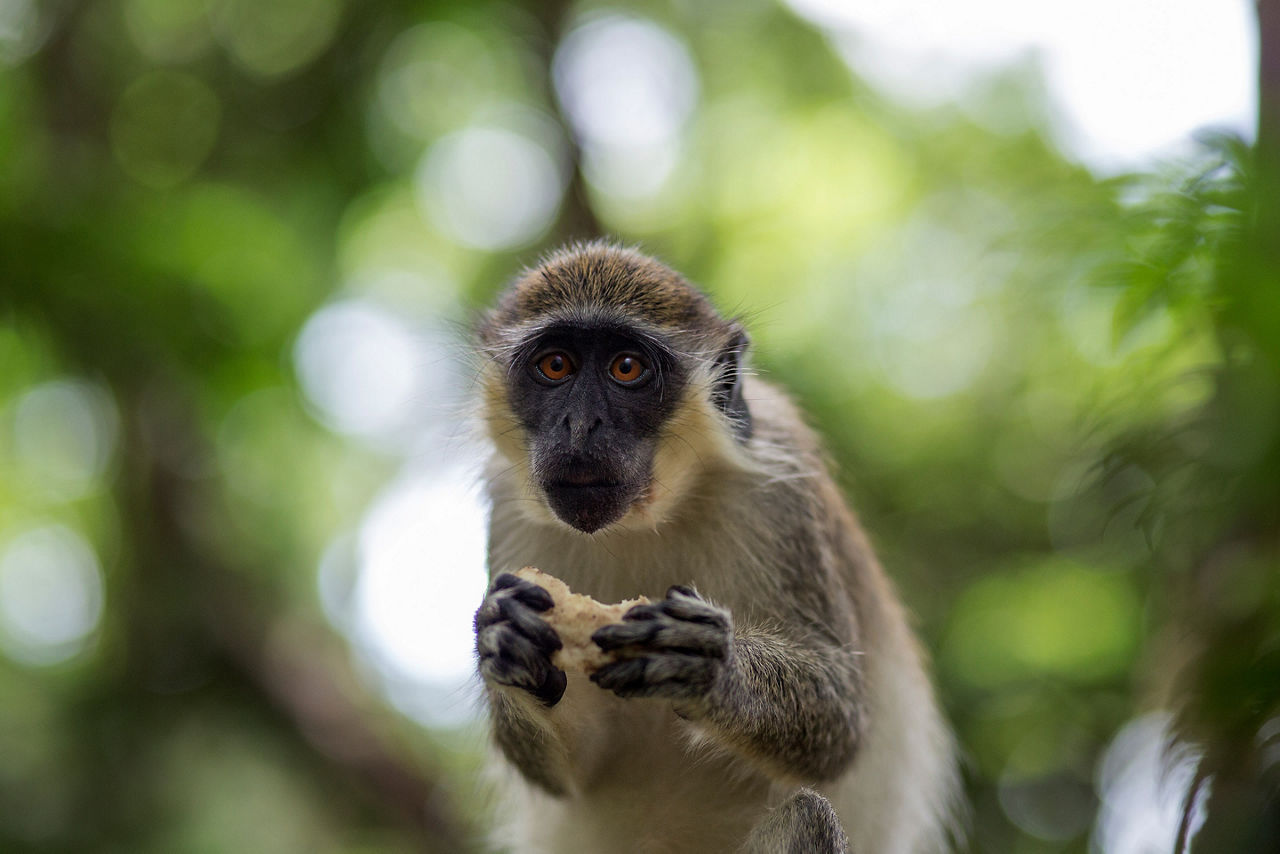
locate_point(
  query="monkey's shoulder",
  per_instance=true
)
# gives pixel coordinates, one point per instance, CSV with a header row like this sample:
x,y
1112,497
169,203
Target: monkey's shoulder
x,y
778,420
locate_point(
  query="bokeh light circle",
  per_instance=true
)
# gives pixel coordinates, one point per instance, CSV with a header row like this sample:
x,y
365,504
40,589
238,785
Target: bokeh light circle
x,y
490,188
51,595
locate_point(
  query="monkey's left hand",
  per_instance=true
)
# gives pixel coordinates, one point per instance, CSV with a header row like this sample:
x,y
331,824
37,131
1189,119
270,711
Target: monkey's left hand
x,y
675,648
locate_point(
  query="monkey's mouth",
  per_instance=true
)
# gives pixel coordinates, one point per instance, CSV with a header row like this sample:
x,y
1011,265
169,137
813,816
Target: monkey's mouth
x,y
589,503
583,481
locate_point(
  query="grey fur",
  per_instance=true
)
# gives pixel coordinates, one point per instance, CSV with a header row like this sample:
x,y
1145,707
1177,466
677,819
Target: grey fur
x,y
792,664
804,823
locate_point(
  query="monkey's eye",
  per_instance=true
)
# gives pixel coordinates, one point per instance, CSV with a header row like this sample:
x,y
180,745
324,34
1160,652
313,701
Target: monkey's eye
x,y
555,366
628,369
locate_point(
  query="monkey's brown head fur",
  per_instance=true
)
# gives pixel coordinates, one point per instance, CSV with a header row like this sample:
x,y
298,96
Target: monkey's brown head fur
x,y
605,280
593,445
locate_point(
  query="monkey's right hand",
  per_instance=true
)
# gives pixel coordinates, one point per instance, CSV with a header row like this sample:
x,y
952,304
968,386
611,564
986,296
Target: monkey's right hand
x,y
515,644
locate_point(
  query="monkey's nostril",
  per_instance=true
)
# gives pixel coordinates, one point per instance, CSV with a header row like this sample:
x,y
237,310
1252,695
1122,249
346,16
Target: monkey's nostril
x,y
598,423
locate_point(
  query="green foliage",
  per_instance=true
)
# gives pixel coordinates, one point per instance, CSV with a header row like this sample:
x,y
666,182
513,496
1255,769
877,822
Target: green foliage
x,y
1053,398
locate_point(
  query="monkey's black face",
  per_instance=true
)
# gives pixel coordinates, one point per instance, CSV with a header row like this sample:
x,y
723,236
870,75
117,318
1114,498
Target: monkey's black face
x,y
593,402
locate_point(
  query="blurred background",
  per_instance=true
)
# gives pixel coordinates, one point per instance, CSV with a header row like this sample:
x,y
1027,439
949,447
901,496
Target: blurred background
x,y
1019,262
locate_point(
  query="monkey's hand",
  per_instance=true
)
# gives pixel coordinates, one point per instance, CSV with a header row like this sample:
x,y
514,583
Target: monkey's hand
x,y
675,648
514,643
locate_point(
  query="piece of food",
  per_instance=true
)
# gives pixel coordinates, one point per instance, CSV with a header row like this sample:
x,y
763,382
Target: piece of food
x,y
575,617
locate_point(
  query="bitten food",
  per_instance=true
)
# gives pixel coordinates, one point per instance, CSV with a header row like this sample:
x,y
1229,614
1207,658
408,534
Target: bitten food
x,y
575,617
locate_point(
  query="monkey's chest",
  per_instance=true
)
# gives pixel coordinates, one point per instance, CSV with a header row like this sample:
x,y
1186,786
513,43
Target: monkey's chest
x,y
645,781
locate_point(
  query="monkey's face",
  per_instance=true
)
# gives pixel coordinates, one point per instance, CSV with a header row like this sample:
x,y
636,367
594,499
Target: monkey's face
x,y
592,403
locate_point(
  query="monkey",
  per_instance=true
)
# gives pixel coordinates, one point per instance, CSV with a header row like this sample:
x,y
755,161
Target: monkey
x,y
772,696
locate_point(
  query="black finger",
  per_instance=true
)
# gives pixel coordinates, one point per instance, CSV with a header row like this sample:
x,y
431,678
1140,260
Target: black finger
x,y
505,672
552,687
694,611
533,595
622,677
503,580
508,657
530,624
643,612
618,635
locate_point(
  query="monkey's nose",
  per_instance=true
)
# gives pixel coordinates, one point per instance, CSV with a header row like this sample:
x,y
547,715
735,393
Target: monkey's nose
x,y
581,429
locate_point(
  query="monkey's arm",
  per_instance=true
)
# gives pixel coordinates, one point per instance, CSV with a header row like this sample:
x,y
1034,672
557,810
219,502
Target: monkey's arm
x,y
524,733
514,646
795,707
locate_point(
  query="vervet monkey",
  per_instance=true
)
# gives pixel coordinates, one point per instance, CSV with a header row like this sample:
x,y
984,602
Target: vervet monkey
x,y
772,698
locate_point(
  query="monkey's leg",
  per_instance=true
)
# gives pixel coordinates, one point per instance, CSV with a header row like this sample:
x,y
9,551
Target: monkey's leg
x,y
804,823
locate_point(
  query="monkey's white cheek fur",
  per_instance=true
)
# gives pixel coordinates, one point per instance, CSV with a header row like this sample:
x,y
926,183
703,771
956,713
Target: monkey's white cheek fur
x,y
575,618
694,442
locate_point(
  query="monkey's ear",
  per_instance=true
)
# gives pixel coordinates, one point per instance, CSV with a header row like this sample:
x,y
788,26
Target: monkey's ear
x,y
726,393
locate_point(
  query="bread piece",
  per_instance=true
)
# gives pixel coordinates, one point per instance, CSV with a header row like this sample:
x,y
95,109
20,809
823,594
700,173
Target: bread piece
x,y
575,617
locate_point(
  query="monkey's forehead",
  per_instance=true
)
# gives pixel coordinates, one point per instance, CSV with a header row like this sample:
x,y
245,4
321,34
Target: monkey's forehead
x,y
612,281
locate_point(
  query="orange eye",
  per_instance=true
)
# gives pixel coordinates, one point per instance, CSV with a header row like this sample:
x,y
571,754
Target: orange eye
x,y
627,369
555,366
